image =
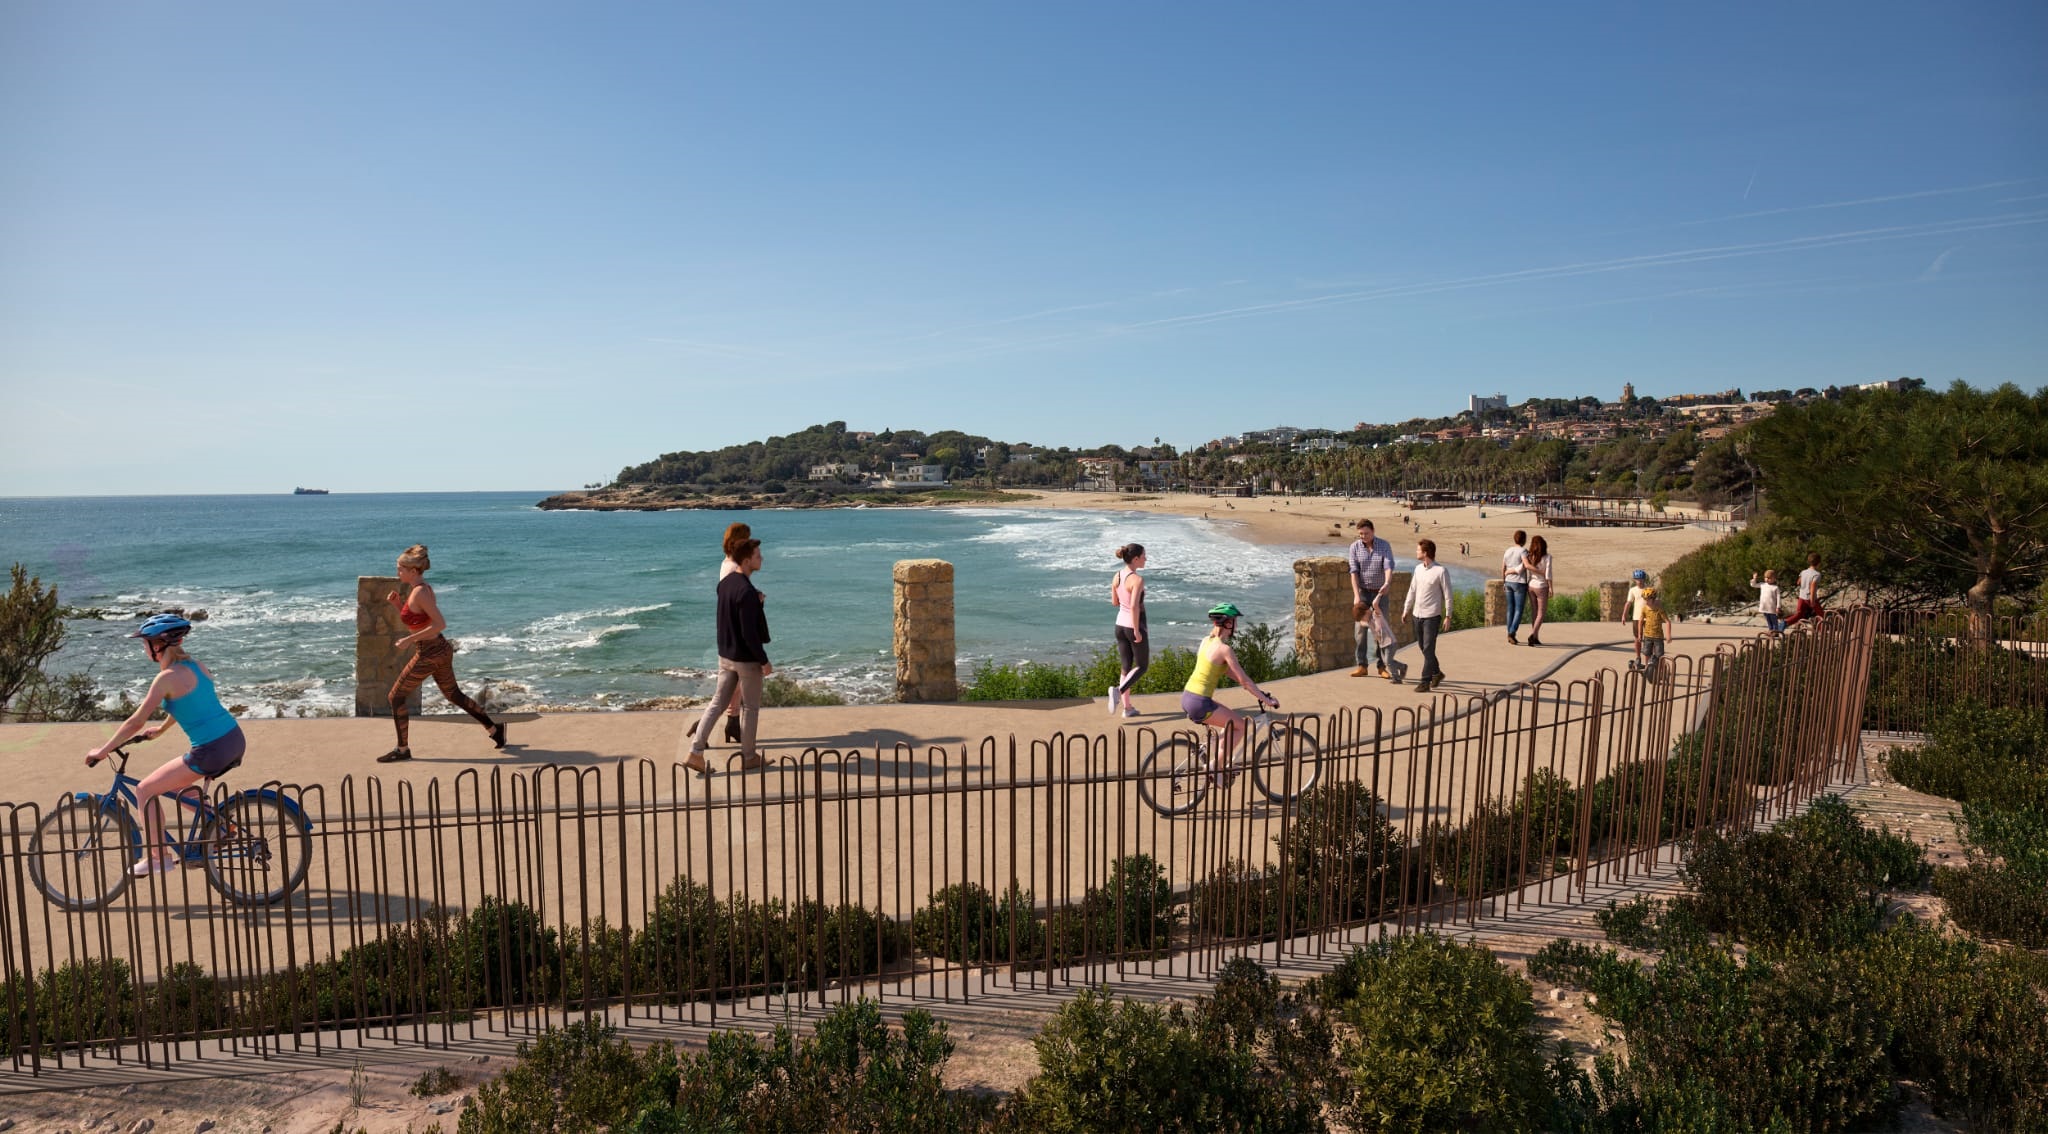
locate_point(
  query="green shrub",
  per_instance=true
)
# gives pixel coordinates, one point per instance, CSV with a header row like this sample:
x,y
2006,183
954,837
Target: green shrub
x,y
1918,678
1169,671
1134,913
1583,607
1108,1064
852,1073
1650,924
1976,753
1441,1038
437,1081
1996,901
1258,650
1031,681
1793,1043
780,692
577,1078
1967,1024
1468,611
1819,876
966,924
1341,855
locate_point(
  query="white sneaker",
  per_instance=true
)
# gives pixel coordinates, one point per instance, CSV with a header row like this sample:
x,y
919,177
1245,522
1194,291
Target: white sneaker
x,y
150,864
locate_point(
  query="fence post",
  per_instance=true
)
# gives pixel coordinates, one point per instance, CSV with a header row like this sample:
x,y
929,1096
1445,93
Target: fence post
x,y
378,660
923,641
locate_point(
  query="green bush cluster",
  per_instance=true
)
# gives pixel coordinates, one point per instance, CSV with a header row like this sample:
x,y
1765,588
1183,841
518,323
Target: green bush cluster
x,y
1783,1001
1529,834
1820,876
1581,607
1132,914
1917,678
1441,1037
1340,860
1994,761
1258,648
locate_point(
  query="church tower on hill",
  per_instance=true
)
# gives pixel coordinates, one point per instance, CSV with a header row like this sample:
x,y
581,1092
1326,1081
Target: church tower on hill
x,y
1628,393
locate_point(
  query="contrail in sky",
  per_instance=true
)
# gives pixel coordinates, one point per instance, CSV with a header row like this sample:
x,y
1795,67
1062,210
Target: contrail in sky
x,y
1751,185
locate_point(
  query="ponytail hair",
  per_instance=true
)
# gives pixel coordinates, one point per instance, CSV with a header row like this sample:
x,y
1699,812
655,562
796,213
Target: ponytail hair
x,y
734,535
415,557
1129,552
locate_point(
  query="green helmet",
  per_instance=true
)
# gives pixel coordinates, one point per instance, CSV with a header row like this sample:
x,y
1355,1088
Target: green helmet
x,y
1224,610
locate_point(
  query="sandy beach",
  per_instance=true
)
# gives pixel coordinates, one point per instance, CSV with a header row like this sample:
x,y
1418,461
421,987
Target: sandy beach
x,y
1583,556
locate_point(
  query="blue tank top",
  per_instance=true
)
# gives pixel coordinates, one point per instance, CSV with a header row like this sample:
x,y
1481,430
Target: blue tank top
x,y
199,712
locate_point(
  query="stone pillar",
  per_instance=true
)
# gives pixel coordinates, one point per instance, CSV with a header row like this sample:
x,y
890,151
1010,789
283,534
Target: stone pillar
x,y
1496,602
1397,593
924,631
1322,612
1613,601
378,662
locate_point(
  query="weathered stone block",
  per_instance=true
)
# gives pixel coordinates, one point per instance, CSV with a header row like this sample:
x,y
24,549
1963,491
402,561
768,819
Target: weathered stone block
x,y
924,571
1613,601
378,659
1322,611
1496,602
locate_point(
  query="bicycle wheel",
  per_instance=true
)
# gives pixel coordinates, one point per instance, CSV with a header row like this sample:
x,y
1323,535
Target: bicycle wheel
x,y
1172,778
82,851
1285,762
257,849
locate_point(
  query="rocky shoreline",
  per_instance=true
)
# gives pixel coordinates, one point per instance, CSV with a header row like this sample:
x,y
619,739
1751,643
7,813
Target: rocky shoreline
x,y
649,498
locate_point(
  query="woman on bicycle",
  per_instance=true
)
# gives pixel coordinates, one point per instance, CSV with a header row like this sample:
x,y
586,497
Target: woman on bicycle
x,y
435,657
1212,659
185,690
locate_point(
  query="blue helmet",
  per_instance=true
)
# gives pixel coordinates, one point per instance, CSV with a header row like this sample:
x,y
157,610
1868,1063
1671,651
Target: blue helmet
x,y
168,627
1640,575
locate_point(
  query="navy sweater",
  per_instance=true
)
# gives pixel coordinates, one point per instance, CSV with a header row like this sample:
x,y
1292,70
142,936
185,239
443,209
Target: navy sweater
x,y
742,623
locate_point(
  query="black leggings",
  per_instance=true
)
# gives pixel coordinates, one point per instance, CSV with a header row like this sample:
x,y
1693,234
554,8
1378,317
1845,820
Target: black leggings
x,y
1134,654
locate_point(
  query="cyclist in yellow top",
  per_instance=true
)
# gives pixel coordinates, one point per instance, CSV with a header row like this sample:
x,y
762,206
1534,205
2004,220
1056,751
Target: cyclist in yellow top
x,y
1212,658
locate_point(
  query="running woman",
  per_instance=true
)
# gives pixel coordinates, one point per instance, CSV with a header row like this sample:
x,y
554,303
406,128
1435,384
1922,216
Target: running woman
x,y
435,657
1133,652
1198,698
185,690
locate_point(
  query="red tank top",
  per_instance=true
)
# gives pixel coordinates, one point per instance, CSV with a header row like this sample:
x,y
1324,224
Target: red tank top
x,y
412,618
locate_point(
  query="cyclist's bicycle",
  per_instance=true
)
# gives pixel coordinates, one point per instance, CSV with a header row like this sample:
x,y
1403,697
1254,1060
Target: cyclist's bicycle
x,y
255,846
1285,761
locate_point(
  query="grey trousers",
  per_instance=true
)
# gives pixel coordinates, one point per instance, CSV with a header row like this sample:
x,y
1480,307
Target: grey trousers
x,y
734,677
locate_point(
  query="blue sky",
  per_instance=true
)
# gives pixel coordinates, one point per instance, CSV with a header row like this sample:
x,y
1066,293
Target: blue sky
x,y
435,246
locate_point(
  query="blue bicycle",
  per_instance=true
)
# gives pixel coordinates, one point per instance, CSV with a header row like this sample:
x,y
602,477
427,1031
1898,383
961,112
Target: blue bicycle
x,y
255,846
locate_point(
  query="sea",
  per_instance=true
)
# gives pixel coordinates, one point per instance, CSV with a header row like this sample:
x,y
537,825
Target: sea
x,y
605,610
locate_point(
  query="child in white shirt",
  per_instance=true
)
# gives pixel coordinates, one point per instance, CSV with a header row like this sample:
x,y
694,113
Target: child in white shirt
x,y
1767,601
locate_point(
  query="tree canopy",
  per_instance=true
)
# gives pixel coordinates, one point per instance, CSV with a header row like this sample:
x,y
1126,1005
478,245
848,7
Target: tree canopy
x,y
1944,494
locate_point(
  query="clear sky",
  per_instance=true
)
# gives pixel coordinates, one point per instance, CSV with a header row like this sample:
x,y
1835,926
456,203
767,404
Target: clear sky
x,y
381,246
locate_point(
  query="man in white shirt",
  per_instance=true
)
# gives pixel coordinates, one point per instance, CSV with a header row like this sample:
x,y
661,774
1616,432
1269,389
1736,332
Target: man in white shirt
x,y
1428,604
1514,571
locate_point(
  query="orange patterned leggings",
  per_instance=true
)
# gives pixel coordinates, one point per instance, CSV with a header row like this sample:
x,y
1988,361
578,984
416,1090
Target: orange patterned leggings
x,y
435,659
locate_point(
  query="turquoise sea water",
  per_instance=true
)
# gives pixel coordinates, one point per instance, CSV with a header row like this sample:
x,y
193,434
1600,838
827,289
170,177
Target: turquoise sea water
x,y
604,609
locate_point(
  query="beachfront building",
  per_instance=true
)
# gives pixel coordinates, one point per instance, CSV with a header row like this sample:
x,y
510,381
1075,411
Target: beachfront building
x,y
837,470
904,475
1278,435
1098,474
1157,472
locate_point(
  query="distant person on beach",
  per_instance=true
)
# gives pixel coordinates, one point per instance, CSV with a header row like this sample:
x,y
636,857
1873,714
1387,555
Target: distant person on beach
x,y
1537,563
1809,592
742,660
435,657
1514,571
1372,569
184,689
1428,604
1769,602
735,534
1213,658
1133,651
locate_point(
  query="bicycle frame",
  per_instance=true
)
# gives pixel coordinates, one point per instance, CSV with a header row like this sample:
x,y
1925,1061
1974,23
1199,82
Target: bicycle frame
x,y
192,799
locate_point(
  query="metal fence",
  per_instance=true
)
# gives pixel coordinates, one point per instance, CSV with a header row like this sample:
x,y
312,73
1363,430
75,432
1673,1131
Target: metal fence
x,y
491,903
1927,661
